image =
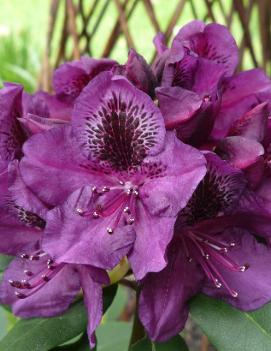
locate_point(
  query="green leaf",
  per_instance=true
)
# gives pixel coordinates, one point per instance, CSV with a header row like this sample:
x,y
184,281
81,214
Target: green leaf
x,y
42,334
4,262
81,345
174,344
230,329
113,336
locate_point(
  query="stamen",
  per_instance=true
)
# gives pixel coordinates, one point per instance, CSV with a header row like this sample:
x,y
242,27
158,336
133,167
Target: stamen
x,y
20,295
28,273
80,211
109,230
95,214
127,210
131,221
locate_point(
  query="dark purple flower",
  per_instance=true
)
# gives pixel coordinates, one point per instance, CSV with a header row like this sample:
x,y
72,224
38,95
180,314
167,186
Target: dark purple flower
x,y
213,251
241,93
34,284
71,77
138,72
122,175
12,136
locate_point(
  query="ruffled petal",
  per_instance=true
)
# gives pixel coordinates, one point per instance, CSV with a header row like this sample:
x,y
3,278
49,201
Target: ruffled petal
x,y
116,123
152,238
138,72
52,299
213,42
164,296
12,135
53,166
253,285
179,169
81,239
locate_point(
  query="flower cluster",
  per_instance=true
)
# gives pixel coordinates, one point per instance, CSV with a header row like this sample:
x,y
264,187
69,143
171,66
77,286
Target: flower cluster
x,y
167,165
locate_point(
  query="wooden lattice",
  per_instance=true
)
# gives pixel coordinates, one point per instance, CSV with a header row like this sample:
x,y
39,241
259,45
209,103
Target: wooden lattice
x,y
101,27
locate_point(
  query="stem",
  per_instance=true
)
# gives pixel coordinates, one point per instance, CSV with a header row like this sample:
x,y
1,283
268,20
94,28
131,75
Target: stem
x,y
138,331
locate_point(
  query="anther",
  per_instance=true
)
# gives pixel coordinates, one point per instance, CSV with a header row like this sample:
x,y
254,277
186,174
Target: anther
x,y
15,283
24,256
135,192
34,258
189,259
94,189
207,256
244,268
224,249
234,293
95,214
109,230
218,284
28,273
121,182
127,210
20,295
80,211
232,244
131,220
105,189
45,278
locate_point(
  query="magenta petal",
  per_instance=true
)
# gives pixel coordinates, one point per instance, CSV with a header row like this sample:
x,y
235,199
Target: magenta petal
x,y
138,72
253,285
253,125
241,93
35,124
153,235
213,42
15,235
164,296
177,105
12,135
52,161
184,167
74,238
117,124
52,299
93,298
239,151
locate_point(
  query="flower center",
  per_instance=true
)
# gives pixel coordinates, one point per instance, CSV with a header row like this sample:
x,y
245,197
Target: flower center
x,y
117,202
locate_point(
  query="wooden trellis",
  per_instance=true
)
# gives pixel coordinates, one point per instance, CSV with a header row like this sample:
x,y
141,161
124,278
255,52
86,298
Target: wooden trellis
x,y
74,26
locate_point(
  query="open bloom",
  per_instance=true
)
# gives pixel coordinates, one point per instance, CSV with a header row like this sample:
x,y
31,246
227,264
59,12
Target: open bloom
x,y
213,250
129,175
34,284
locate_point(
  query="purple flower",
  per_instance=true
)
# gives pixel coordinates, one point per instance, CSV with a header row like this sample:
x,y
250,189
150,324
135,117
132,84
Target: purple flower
x,y
71,77
12,136
138,72
213,251
191,74
121,174
34,284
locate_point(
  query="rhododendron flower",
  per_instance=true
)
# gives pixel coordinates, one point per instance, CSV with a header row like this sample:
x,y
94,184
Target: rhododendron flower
x,y
126,173
213,250
34,284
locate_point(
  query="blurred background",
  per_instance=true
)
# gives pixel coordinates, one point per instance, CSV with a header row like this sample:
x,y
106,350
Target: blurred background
x,y
37,35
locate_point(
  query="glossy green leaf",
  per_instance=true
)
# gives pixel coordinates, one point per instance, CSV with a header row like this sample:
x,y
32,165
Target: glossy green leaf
x,y
175,344
230,329
42,334
113,336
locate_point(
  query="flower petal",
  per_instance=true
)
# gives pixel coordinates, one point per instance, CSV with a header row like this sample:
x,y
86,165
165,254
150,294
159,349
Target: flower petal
x,y
242,92
164,296
213,42
181,169
53,166
93,298
152,238
116,123
253,285
74,238
12,136
52,299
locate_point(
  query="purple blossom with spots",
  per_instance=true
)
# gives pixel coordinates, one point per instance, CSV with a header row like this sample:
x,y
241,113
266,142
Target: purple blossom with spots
x,y
214,250
153,176
118,172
